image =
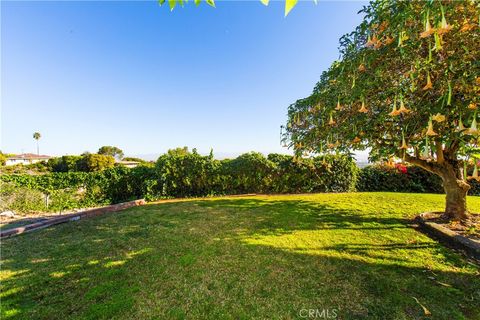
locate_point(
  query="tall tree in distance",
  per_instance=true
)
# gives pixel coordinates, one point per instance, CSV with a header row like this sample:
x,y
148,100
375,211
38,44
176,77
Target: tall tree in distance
x,y
115,152
407,85
37,136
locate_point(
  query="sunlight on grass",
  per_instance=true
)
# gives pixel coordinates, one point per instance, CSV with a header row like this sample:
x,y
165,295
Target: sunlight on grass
x,y
242,258
328,243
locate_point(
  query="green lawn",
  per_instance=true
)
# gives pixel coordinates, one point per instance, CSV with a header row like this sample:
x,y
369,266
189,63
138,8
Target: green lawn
x,y
242,258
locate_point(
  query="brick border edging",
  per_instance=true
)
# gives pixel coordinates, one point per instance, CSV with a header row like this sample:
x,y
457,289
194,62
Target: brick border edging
x,y
70,217
472,247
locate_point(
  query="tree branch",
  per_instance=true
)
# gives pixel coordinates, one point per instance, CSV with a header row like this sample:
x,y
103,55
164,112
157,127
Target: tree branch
x,y
439,151
424,164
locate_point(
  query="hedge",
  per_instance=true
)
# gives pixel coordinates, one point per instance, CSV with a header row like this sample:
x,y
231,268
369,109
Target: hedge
x,y
181,173
403,179
188,174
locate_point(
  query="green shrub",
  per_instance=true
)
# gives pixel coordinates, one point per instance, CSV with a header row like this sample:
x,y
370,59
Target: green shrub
x,y
181,173
95,162
385,178
65,164
249,173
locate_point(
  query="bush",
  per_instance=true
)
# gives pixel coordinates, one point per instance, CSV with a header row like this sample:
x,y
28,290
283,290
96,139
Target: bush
x,y
65,164
181,173
85,163
95,162
248,173
398,179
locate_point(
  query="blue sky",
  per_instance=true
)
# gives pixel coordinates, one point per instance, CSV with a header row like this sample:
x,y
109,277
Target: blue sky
x,y
137,76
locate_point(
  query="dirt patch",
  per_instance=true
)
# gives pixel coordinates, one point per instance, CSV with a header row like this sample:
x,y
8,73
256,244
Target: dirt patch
x,y
463,236
25,219
469,229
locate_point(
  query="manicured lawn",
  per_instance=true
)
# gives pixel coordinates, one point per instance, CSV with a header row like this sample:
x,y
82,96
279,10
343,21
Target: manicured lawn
x,y
242,258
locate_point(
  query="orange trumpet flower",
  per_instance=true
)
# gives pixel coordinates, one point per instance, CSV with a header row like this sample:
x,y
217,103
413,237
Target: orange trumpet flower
x,y
429,84
363,109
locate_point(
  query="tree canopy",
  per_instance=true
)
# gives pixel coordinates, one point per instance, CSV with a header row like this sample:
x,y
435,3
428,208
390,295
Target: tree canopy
x,y
407,84
111,151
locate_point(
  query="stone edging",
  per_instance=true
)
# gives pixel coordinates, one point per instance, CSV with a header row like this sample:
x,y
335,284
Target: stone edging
x,y
472,247
70,217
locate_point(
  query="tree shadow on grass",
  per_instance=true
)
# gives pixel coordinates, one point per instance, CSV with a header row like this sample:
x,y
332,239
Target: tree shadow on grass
x,y
238,258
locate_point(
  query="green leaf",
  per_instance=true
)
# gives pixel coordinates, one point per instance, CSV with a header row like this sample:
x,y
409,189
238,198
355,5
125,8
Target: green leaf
x,y
161,2
265,2
197,2
172,4
211,3
289,4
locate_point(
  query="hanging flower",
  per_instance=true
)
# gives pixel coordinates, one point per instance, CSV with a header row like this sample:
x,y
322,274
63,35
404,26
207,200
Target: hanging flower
x,y
438,117
472,106
444,27
473,127
474,174
460,126
402,108
430,131
361,68
402,37
356,140
363,109
404,143
428,28
331,121
339,106
426,150
394,112
429,84
438,43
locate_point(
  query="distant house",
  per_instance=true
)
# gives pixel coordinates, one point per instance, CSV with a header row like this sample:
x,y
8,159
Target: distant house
x,y
25,158
128,164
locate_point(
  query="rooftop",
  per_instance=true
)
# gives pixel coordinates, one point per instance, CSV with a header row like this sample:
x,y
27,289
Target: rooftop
x,y
29,156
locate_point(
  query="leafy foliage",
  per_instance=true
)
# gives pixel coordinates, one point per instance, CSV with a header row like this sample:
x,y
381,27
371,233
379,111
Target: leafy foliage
x,y
378,95
387,178
65,163
413,179
181,173
407,84
95,162
111,151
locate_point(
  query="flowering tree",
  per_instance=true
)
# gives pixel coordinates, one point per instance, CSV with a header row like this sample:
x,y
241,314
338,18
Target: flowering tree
x,y
407,85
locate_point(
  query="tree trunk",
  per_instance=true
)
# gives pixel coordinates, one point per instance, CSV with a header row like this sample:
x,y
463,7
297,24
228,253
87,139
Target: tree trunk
x,y
456,191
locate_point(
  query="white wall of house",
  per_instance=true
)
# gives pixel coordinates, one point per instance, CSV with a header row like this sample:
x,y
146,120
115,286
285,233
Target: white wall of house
x,y
12,162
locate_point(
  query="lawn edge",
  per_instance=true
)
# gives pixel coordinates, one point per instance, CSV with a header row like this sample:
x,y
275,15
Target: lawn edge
x,y
458,241
70,217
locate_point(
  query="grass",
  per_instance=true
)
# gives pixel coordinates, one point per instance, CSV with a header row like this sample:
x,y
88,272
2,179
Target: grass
x,y
242,258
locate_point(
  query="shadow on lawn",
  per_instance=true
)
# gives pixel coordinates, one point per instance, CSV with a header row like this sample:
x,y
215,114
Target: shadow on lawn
x,y
237,257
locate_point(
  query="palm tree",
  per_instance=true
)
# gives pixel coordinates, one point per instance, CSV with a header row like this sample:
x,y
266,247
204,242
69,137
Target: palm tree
x,y
37,137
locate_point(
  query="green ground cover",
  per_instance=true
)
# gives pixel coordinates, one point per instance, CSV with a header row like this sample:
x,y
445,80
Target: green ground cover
x,y
265,257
